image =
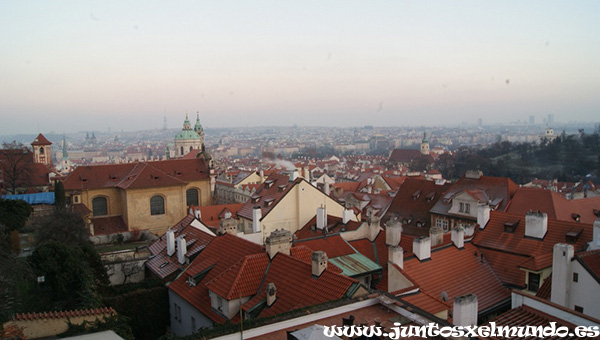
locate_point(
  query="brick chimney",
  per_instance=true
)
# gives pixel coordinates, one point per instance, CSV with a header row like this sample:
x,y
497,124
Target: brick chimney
x,y
319,263
422,248
561,273
536,224
181,249
458,237
271,294
170,242
278,241
465,310
393,234
256,216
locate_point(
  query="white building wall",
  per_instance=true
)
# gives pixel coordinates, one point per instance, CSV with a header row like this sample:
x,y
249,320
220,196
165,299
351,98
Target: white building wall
x,y
586,292
183,326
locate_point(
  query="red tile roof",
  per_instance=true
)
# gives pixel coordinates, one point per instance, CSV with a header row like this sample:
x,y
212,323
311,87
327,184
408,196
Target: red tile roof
x,y
554,205
165,266
426,302
590,260
41,140
269,190
414,200
137,175
220,254
333,246
242,279
545,290
297,288
407,155
462,272
334,226
211,215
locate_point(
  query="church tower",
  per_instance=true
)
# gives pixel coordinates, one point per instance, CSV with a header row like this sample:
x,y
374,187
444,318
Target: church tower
x,y
425,145
189,139
42,150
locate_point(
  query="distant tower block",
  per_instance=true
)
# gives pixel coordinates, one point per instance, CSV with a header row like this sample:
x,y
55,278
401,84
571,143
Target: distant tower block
x,y
425,145
42,150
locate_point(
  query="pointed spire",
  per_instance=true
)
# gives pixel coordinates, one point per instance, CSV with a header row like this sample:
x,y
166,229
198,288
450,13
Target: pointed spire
x,y
186,123
198,126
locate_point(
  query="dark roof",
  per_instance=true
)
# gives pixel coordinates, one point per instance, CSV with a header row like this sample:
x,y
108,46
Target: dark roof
x,y
407,155
270,190
106,225
137,175
41,140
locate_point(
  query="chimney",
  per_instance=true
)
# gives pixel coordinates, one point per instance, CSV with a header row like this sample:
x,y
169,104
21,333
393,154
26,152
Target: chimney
x,y
536,224
170,242
473,174
347,215
326,189
437,236
198,214
595,244
261,173
393,234
293,175
465,310
422,248
319,263
228,225
458,237
321,218
181,249
373,224
256,216
561,273
396,256
271,294
278,241
483,215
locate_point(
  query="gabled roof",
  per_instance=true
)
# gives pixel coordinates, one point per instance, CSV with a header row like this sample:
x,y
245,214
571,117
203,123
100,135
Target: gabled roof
x,y
499,190
461,272
220,254
269,190
137,175
334,225
333,246
554,204
196,240
297,288
41,140
590,260
211,215
242,279
414,199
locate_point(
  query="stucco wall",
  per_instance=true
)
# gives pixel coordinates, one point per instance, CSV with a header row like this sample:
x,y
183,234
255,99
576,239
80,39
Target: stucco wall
x,y
183,326
584,293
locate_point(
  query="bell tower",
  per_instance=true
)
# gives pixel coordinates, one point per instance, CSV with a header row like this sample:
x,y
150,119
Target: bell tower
x,y
42,150
425,145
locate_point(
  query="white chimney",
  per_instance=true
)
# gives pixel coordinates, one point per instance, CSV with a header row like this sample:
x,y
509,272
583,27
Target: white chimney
x,y
319,263
595,244
561,273
293,175
181,249
536,224
271,294
373,225
170,242
190,211
347,215
465,310
422,248
261,173
198,214
256,216
393,234
321,218
326,189
483,215
458,237
396,256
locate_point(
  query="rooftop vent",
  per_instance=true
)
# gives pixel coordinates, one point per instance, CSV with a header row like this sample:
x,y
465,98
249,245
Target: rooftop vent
x,y
511,226
576,217
430,196
416,194
573,235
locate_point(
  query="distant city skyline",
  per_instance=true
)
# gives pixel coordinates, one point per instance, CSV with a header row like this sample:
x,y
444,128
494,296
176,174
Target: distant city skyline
x,y
82,66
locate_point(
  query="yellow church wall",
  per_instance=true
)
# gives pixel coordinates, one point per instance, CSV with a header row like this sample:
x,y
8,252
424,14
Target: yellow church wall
x,y
112,195
138,206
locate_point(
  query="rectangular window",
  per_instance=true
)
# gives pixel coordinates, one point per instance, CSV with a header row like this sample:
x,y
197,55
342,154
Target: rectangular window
x,y
534,282
467,208
575,277
193,324
462,207
578,309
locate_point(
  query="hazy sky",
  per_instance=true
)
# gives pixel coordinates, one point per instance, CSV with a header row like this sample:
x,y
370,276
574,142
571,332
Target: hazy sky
x,y
83,65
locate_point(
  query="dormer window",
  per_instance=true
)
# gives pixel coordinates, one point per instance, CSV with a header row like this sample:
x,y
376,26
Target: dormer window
x,y
269,202
255,199
268,183
573,235
576,217
281,188
430,196
416,194
511,226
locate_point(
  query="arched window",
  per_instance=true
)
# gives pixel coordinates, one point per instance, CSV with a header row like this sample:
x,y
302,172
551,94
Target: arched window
x,y
182,150
100,206
42,150
157,205
191,197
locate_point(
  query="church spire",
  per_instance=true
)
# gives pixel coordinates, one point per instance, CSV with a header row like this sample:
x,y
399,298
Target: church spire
x,y
198,126
186,123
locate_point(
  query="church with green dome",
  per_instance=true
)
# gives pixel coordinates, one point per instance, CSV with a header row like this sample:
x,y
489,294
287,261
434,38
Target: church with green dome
x,y
189,138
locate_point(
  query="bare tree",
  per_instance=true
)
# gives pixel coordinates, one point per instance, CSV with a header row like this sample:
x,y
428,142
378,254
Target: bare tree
x,y
130,269
16,165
